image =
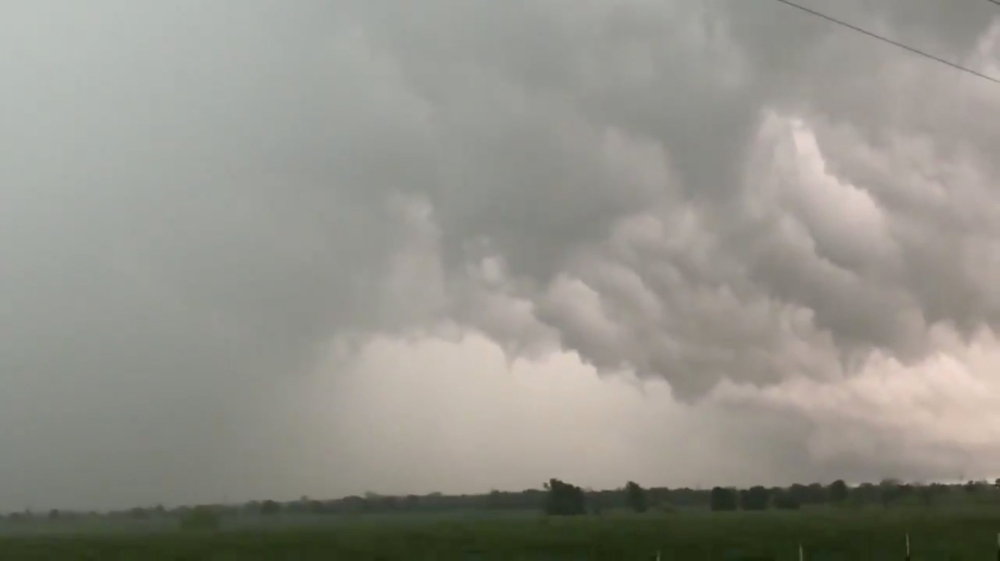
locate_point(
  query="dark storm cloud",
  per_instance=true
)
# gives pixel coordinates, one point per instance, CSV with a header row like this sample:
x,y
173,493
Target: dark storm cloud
x,y
197,198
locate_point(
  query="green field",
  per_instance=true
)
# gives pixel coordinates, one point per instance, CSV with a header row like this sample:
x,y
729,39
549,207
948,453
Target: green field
x,y
825,534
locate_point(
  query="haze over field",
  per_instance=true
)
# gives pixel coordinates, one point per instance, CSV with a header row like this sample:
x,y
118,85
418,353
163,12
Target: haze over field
x,y
257,249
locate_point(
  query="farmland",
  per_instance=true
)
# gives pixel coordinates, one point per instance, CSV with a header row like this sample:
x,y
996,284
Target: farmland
x,y
825,533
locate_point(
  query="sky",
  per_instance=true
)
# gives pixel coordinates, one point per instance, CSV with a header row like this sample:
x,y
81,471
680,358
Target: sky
x,y
257,249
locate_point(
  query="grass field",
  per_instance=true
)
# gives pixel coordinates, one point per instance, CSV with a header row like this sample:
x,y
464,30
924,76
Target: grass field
x,y
825,535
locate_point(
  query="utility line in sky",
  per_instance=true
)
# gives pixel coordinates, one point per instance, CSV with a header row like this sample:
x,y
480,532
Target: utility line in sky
x,y
891,42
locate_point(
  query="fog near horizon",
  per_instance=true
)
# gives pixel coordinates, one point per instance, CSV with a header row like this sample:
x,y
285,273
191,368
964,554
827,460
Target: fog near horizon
x,y
257,249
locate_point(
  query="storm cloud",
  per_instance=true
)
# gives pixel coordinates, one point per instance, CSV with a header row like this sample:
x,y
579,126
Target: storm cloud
x,y
232,234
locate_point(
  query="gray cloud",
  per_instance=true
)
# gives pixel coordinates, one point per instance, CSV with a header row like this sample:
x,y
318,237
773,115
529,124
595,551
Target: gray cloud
x,y
197,201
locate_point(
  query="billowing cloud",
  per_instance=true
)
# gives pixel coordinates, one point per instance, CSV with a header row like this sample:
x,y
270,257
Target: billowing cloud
x,y
761,214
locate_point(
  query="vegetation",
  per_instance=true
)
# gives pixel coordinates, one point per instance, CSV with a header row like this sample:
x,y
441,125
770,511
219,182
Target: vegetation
x,y
635,497
722,499
564,499
561,520
201,518
867,534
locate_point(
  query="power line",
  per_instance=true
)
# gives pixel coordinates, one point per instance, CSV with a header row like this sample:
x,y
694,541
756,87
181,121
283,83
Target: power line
x,y
891,42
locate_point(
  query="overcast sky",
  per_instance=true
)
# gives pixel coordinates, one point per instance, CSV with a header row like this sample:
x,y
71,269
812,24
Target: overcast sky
x,y
259,249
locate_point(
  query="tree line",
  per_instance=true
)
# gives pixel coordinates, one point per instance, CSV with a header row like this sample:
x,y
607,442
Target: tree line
x,y
559,497
566,499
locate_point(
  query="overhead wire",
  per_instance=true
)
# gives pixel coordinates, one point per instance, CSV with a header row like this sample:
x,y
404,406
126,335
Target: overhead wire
x,y
874,35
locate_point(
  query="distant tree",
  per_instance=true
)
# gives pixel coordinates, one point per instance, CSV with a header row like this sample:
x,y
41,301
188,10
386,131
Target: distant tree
x,y
658,496
785,500
559,497
269,508
299,506
799,492
722,498
864,493
635,497
411,502
388,504
838,491
201,518
494,500
54,514
564,499
755,498
928,493
816,494
890,490
355,504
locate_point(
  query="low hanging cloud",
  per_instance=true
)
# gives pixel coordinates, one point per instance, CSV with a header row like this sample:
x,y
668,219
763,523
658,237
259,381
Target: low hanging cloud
x,y
761,214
